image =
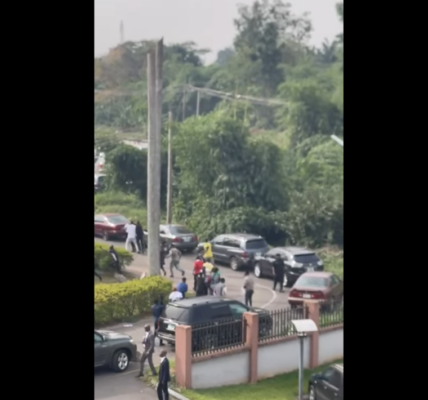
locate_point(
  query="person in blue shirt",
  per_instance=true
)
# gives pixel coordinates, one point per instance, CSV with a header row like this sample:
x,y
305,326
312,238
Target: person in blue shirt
x,y
157,310
182,287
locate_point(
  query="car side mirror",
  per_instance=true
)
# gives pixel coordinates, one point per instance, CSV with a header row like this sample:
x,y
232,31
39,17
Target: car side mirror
x,y
104,338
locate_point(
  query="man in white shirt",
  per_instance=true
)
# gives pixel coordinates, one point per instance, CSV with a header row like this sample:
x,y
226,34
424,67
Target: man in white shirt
x,y
131,230
175,295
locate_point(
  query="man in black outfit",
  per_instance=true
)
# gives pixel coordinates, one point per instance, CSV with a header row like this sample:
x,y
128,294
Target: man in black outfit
x,y
140,237
163,253
279,272
164,377
115,260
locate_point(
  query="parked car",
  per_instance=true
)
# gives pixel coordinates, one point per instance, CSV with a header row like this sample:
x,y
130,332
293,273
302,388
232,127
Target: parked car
x,y
237,249
316,286
99,181
113,350
208,311
110,225
178,236
327,385
297,260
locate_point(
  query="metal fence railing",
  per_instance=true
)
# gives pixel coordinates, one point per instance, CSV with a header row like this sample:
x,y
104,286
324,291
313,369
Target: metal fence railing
x,y
331,313
224,334
277,323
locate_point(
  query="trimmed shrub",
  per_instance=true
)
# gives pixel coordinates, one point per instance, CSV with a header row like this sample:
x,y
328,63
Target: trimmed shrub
x,y
118,301
104,259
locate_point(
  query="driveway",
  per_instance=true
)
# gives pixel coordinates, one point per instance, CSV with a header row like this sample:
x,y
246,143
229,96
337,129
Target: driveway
x,y
264,296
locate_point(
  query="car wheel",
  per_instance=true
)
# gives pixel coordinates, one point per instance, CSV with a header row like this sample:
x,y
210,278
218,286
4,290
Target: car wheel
x,y
105,235
234,264
312,395
120,361
257,270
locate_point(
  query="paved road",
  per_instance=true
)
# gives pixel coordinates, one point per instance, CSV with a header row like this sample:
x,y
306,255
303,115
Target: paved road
x,y
264,296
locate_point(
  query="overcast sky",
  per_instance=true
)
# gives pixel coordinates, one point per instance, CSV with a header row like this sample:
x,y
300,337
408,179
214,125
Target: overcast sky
x,y
209,23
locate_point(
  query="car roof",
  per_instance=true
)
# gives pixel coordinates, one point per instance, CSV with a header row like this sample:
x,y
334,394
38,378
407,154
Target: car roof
x,y
246,236
295,250
196,301
318,274
111,215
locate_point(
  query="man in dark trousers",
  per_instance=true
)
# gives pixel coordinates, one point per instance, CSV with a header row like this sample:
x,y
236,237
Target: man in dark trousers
x,y
157,310
163,253
140,237
115,260
164,377
279,272
149,348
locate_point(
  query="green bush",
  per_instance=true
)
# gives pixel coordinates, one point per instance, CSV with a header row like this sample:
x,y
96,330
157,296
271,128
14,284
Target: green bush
x,y
333,260
119,301
104,259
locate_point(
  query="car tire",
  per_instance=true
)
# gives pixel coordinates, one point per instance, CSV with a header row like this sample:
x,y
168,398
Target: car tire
x,y
234,264
312,394
105,235
257,270
120,361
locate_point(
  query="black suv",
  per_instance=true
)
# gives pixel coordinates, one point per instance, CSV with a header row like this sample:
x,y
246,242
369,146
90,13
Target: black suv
x,y
327,385
223,315
237,249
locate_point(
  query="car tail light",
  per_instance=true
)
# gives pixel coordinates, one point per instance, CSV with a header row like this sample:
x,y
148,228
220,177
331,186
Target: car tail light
x,y
176,240
245,254
295,293
195,238
318,296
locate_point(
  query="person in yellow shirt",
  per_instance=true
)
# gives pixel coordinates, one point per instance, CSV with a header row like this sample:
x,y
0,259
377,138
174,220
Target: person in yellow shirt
x,y
208,252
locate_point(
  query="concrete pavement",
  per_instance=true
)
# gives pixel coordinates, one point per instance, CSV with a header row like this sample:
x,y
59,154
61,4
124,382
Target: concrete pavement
x,y
264,296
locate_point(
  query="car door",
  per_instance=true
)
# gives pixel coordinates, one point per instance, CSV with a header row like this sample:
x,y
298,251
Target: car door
x,y
218,248
100,350
231,248
99,222
266,262
328,387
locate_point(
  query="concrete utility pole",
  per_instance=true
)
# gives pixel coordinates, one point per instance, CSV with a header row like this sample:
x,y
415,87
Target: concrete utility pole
x,y
198,100
154,93
169,184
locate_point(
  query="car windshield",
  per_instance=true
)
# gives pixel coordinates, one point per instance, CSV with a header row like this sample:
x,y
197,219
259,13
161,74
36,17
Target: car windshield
x,y
177,230
306,258
255,244
174,312
117,219
311,282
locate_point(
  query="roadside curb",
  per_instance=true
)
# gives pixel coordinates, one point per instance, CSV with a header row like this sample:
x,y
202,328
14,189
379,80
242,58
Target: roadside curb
x,y
178,396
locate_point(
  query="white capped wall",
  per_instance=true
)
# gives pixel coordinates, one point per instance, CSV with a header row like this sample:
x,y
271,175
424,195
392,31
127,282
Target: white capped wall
x,y
330,346
280,358
221,371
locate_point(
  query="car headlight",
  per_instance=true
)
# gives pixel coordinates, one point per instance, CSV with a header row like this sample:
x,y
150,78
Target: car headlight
x,y
319,263
131,340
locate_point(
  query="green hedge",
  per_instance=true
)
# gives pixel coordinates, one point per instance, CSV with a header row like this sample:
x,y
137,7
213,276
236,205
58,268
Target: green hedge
x,y
119,301
104,259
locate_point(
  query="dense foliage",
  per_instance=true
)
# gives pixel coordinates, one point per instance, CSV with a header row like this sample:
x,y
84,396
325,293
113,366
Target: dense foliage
x,y
259,156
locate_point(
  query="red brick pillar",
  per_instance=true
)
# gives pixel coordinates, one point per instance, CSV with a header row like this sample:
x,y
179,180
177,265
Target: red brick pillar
x,y
252,341
183,356
314,315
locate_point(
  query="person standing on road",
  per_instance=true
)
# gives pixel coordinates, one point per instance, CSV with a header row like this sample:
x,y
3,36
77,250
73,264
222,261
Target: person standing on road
x,y
220,288
131,238
115,260
183,288
157,310
175,255
201,286
163,253
208,252
149,348
215,279
249,289
198,267
140,237
164,377
279,272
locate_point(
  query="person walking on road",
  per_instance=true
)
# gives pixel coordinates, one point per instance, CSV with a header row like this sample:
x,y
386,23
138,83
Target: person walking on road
x,y
175,255
157,310
249,289
149,348
164,377
198,267
163,253
279,272
131,239
115,260
140,237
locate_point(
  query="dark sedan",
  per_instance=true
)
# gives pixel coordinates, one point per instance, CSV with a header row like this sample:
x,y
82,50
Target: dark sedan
x,y
327,385
110,225
178,236
297,260
113,350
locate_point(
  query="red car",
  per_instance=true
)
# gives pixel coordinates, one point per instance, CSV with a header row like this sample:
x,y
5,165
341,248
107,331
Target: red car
x,y
315,286
110,225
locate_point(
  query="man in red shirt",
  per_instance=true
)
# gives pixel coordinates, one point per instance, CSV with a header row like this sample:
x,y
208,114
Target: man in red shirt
x,y
198,267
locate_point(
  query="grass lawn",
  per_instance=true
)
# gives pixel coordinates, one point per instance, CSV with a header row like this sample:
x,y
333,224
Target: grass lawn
x,y
282,387
109,277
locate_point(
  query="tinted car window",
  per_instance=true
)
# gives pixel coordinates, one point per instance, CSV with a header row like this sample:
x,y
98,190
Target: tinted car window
x,y
311,282
97,338
237,309
218,240
177,230
218,311
306,258
334,378
255,244
174,312
231,242
117,219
